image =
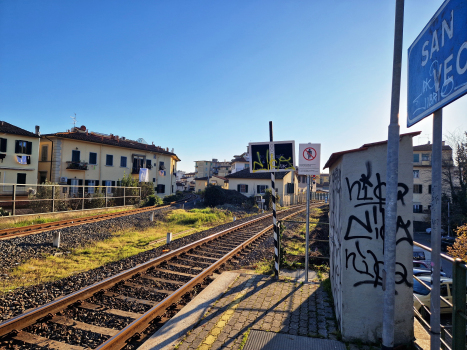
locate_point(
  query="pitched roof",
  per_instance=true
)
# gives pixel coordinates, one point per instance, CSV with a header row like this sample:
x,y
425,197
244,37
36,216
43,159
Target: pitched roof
x,y
335,156
429,147
245,174
11,129
239,159
112,140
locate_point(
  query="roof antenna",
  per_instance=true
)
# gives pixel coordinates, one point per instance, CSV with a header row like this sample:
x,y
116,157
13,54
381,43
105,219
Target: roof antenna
x,y
74,121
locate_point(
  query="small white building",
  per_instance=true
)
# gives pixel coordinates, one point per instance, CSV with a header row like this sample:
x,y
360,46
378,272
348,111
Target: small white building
x,y
356,236
252,184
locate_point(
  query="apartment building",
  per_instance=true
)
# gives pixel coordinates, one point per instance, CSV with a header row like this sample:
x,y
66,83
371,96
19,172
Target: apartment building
x,y
80,157
19,154
239,163
422,156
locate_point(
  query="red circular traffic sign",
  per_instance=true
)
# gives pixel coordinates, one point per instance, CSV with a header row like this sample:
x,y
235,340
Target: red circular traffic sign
x,y
309,153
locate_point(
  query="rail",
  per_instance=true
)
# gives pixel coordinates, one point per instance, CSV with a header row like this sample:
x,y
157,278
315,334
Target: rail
x,y
14,325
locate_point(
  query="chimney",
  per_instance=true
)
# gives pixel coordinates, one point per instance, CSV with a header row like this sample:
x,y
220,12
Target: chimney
x,y
38,128
118,138
167,149
444,143
429,142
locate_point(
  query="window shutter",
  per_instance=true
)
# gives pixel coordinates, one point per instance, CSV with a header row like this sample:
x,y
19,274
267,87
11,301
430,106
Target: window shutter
x,y
238,188
97,182
80,182
68,181
246,188
17,148
2,145
28,160
28,147
86,182
113,183
118,183
258,189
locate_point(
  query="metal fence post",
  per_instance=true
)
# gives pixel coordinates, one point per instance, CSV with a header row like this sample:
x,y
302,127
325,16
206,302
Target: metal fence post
x,y
82,205
53,199
124,188
458,302
14,199
105,189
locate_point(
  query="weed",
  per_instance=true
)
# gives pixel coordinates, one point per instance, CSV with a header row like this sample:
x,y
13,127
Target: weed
x,y
244,339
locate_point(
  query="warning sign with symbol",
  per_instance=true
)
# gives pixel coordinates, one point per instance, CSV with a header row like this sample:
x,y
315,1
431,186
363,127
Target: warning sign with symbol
x,y
309,158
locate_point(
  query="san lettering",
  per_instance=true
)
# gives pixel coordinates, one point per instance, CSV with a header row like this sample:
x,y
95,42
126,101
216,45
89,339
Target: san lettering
x,y
447,32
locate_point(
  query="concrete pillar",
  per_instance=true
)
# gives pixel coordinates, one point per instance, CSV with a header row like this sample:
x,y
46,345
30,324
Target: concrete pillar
x,y
169,237
151,217
56,239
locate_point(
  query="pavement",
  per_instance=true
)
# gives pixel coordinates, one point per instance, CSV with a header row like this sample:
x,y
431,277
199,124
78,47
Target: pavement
x,y
242,310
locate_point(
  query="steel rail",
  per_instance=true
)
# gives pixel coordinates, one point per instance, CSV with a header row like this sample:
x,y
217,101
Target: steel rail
x,y
140,324
38,228
30,317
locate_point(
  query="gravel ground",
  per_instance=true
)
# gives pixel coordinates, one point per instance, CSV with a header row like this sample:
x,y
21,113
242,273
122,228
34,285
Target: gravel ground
x,y
16,250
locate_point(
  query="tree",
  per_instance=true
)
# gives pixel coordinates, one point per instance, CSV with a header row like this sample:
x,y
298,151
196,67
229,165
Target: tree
x,y
455,175
459,248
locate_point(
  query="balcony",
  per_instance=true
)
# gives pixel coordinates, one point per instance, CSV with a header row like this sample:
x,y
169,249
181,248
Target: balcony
x,y
76,165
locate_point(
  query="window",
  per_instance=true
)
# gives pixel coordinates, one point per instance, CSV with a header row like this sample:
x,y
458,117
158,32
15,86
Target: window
x,y
2,145
247,166
138,163
161,166
443,291
290,188
160,188
42,176
148,163
108,183
123,162
74,184
242,188
109,160
44,153
416,158
418,208
153,179
429,189
417,189
416,174
20,178
425,157
92,158
261,188
24,147
75,156
90,183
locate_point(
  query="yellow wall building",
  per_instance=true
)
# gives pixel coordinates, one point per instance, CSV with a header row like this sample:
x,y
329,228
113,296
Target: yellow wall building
x,y
80,157
19,155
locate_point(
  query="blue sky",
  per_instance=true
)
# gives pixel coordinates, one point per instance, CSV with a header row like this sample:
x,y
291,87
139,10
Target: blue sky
x,y
206,77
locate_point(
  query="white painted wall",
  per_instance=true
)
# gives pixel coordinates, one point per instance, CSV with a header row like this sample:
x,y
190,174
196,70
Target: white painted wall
x,y
356,245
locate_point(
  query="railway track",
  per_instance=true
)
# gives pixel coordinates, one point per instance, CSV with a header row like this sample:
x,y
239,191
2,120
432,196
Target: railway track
x,y
114,313
33,229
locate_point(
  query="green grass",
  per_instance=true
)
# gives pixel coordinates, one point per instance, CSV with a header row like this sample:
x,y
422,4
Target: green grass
x,y
265,267
47,220
121,245
244,339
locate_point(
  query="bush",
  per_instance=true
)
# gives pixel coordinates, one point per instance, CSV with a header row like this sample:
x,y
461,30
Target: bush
x,y
152,200
173,198
214,196
459,248
268,199
196,216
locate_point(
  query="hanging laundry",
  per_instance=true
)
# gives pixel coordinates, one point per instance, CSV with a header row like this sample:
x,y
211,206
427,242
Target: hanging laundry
x,y
143,175
21,159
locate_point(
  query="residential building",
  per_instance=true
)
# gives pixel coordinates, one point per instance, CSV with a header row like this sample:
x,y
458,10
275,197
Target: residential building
x,y
19,154
301,180
179,174
215,180
221,168
251,184
80,157
204,168
239,163
422,156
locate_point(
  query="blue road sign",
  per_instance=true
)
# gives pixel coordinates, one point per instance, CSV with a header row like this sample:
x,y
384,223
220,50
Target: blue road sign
x,y
437,64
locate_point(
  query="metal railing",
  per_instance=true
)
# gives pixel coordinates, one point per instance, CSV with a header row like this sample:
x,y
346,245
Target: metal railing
x,y
26,199
293,199
458,294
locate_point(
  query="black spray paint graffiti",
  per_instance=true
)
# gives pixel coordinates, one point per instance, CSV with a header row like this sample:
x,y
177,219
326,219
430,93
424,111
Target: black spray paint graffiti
x,y
369,193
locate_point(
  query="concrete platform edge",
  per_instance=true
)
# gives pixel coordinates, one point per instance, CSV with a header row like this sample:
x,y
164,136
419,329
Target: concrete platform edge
x,y
175,329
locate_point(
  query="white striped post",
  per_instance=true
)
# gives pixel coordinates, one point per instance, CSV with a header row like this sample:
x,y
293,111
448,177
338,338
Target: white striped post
x,y
274,216
276,229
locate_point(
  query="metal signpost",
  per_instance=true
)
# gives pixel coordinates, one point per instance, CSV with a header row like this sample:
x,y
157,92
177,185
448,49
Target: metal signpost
x,y
309,155
389,285
272,157
437,67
